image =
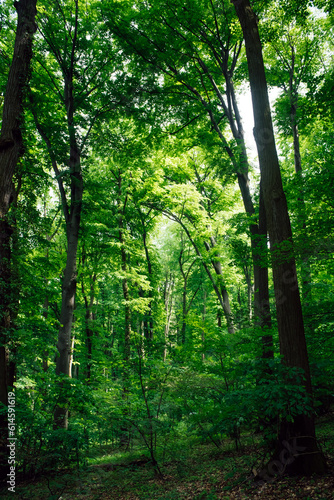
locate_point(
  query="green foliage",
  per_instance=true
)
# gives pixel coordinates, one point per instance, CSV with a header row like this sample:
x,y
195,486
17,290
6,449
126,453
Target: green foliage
x,y
40,447
160,186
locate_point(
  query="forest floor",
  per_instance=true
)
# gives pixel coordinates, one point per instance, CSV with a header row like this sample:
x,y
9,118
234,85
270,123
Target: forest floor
x,y
201,472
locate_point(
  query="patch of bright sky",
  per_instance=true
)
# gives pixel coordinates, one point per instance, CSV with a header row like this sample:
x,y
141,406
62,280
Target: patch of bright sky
x,y
246,110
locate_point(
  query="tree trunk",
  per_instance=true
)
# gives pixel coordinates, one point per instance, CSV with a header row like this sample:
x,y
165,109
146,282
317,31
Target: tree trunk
x,y
203,327
241,166
11,149
288,306
222,287
260,272
89,302
72,217
305,263
263,315
149,320
69,284
168,301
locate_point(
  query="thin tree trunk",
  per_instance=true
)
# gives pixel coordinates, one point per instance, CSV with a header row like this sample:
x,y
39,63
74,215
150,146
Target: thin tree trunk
x,y
222,287
242,168
11,149
69,284
45,362
185,276
221,293
168,301
305,263
203,329
289,313
149,321
89,302
72,215
71,356
263,315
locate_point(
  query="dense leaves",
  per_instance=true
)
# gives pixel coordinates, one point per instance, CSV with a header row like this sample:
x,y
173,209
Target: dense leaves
x,y
136,105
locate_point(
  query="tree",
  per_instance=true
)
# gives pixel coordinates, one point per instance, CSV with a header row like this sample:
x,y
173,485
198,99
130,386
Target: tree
x,y
294,54
74,63
196,56
289,313
11,149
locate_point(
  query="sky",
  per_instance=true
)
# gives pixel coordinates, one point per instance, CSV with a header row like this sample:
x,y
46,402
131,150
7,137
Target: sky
x,y
246,111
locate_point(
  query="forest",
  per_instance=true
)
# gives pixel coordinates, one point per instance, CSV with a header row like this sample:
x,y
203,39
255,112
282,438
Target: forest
x,y
166,249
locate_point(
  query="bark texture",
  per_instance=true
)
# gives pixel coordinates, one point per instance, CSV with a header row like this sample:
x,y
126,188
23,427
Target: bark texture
x,y
69,285
11,149
288,305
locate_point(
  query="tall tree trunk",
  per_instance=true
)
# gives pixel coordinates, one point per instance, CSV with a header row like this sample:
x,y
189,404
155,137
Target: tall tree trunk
x,y
125,435
69,284
305,262
72,217
289,313
241,167
11,149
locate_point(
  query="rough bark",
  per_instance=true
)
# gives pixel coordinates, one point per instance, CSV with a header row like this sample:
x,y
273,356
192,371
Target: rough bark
x,y
288,306
241,167
11,149
72,215
69,284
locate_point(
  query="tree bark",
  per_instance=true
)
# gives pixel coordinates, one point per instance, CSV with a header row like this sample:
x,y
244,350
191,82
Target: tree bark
x,y
69,285
288,306
241,167
11,149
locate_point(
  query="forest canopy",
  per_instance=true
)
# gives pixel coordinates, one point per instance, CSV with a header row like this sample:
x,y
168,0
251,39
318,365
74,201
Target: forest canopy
x,y
163,284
